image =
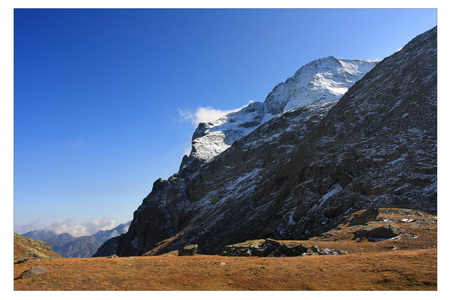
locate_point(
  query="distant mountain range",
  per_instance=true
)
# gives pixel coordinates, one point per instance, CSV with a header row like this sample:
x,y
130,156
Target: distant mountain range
x,y
69,246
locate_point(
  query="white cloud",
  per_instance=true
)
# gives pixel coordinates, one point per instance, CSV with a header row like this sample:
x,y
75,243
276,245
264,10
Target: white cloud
x,y
202,114
35,224
68,226
100,224
89,228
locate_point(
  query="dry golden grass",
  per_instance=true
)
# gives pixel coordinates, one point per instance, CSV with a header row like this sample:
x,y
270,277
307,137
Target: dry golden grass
x,y
394,270
368,266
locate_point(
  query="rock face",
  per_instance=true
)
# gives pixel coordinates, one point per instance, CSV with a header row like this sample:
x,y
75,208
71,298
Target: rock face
x,y
321,81
108,248
296,175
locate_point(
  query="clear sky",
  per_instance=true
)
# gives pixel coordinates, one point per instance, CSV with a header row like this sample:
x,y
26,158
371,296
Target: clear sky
x,y
105,100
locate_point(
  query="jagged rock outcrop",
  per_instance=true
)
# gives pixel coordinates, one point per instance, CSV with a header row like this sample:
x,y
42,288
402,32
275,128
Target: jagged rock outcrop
x,y
273,248
297,174
320,81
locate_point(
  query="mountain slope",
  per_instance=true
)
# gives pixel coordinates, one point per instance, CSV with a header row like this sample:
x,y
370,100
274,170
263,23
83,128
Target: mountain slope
x,y
296,175
57,241
28,248
320,81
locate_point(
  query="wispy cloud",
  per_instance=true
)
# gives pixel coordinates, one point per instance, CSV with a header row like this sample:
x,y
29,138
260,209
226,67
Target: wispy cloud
x,y
72,143
202,114
35,224
100,224
88,228
69,226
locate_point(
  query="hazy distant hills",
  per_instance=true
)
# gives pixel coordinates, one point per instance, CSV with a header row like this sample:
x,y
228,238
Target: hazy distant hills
x,y
69,246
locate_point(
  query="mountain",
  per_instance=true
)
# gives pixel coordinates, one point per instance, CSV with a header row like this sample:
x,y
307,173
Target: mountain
x,y
300,172
108,248
28,248
111,240
84,246
57,241
320,81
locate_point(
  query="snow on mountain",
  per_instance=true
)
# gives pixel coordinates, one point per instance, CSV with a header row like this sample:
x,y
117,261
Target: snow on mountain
x,y
320,81
300,172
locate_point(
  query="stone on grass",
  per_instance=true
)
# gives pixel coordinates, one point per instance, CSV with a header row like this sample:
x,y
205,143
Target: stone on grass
x,y
34,271
188,250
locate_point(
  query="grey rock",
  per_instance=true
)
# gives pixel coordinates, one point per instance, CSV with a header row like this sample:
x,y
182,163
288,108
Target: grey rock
x,y
365,217
34,271
378,233
293,249
296,175
273,248
188,250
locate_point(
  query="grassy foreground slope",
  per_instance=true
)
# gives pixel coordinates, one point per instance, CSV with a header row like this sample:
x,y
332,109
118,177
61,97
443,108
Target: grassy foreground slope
x,y
394,270
406,262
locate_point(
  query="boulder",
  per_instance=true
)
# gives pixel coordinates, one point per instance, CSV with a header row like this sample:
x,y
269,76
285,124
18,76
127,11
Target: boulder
x,y
232,250
378,233
188,250
34,271
293,249
273,248
365,217
263,249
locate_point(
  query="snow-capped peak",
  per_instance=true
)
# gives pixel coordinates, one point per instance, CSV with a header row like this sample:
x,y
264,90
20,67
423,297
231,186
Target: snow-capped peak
x,y
320,81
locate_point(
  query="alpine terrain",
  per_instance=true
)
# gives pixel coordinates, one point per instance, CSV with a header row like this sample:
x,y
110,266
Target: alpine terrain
x,y
338,137
69,246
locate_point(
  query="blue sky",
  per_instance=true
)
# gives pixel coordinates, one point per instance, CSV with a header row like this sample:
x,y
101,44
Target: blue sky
x,y
101,97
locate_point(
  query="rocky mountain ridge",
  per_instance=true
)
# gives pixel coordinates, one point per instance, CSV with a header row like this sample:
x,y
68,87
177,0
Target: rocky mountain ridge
x,y
320,81
297,174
